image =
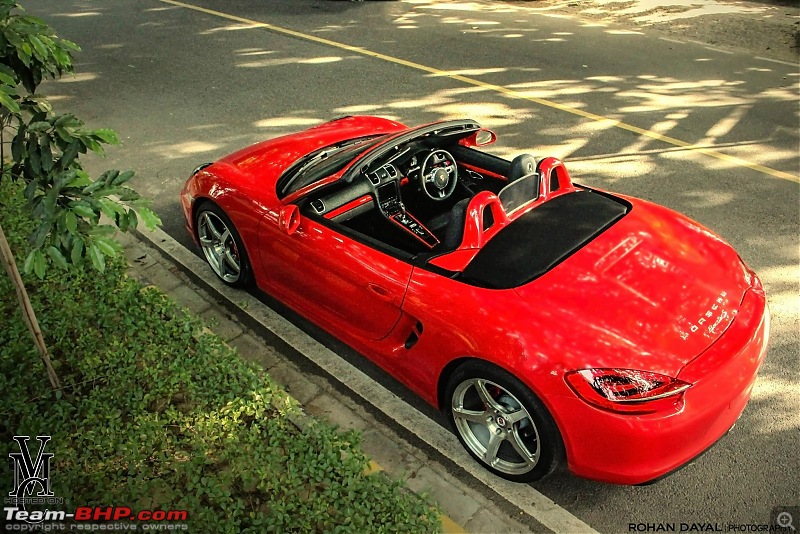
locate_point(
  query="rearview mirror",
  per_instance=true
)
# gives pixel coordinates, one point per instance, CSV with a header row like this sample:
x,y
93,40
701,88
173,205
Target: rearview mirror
x,y
481,137
289,219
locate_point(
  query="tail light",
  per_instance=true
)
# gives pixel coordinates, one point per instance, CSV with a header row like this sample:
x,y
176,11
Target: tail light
x,y
626,390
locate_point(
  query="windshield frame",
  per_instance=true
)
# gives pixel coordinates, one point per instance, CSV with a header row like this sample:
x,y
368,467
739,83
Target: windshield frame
x,y
323,162
443,129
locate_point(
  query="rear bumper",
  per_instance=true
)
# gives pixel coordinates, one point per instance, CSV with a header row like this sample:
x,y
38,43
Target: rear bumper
x,y
636,449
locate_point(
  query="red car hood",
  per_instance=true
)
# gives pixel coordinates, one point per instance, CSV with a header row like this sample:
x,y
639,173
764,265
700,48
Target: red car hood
x,y
652,292
270,158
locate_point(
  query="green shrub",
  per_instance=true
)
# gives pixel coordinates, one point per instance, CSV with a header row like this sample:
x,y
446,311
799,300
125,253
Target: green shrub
x,y
158,414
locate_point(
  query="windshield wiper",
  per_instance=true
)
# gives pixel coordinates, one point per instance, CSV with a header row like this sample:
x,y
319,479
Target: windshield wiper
x,y
309,161
314,158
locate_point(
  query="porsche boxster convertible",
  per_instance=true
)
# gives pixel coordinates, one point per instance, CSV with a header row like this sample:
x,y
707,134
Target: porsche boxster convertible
x,y
555,324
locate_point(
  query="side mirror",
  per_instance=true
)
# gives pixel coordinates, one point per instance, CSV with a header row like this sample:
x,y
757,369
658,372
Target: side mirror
x,y
481,137
289,218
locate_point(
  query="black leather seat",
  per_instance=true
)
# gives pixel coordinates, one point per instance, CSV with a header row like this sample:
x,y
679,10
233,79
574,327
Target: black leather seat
x,y
522,165
454,233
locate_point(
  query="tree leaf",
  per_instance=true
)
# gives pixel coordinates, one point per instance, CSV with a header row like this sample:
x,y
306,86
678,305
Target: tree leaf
x,y
67,120
50,200
108,177
107,246
38,48
27,267
107,135
39,126
111,207
57,256
18,145
24,53
8,79
10,90
9,103
39,263
13,37
122,178
63,59
98,260
133,220
94,186
64,134
40,235
30,191
92,145
81,179
69,45
33,157
77,251
103,230
71,221
150,218
46,154
68,156
82,208
122,221
127,194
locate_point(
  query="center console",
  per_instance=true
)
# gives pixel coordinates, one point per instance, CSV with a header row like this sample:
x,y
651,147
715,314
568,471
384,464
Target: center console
x,y
389,199
391,206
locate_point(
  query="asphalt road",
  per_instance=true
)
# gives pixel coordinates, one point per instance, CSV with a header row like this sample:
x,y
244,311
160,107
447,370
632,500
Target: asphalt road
x,y
182,87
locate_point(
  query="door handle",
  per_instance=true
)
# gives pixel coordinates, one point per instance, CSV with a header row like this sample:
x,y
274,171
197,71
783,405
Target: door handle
x,y
381,292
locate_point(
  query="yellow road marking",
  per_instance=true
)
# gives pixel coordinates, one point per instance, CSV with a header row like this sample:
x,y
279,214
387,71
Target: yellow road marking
x,y
373,467
499,89
451,527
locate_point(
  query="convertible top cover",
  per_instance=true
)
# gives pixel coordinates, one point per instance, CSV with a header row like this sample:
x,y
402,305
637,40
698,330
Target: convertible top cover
x,y
542,238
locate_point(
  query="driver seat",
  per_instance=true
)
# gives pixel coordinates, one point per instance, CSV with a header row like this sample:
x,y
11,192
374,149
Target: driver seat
x,y
454,233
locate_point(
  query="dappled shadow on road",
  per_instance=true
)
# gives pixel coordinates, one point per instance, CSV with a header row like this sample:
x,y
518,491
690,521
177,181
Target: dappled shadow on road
x,y
203,108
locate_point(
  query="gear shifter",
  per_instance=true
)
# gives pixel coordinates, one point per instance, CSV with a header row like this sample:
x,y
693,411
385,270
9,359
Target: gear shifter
x,y
410,224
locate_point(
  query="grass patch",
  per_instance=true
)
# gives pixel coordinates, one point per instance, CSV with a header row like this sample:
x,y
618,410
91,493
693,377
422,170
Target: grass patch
x,y
158,414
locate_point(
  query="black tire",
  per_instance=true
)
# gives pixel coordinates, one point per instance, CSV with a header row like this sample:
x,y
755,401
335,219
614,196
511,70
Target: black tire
x,y
481,423
226,249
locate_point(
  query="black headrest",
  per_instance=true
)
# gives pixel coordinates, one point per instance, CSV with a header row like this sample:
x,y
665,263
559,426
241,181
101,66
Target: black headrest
x,y
522,165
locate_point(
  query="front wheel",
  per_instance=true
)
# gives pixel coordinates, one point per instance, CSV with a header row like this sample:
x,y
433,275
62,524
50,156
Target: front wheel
x,y
222,246
502,423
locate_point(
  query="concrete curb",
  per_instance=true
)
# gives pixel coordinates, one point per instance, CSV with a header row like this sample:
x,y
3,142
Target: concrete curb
x,y
530,502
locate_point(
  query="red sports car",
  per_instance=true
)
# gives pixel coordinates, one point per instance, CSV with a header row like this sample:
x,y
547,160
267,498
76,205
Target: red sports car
x,y
553,323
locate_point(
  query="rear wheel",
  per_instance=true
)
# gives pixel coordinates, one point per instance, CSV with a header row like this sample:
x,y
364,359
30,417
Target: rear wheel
x,y
502,423
222,246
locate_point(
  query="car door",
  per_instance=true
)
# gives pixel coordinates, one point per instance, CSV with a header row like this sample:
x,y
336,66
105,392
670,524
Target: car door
x,y
347,287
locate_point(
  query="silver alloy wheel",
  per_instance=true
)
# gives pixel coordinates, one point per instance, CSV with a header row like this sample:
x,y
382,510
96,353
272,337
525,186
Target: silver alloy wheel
x,y
496,426
219,246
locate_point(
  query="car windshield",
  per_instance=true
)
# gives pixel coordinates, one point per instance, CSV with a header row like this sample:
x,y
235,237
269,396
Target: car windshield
x,y
324,162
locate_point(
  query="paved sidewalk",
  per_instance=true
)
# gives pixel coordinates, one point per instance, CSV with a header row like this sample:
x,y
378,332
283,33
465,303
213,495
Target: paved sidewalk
x,y
464,509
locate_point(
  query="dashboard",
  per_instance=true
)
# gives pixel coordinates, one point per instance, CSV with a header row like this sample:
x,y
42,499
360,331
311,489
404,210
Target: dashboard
x,y
381,186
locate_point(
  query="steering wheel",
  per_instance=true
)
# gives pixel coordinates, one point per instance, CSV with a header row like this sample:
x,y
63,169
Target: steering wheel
x,y
439,175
